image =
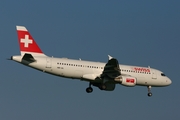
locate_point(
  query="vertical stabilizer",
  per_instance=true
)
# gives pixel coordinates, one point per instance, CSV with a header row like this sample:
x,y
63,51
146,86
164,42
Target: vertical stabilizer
x,y
27,43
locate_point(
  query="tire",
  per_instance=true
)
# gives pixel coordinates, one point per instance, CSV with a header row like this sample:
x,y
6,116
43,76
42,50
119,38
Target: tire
x,y
89,89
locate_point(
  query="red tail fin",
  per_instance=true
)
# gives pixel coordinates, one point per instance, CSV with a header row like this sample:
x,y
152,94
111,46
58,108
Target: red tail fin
x,y
26,42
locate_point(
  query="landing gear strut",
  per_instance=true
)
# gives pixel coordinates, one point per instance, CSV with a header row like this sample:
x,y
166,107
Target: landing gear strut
x,y
149,91
89,89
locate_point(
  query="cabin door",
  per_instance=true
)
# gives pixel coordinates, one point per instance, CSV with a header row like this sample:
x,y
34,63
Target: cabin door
x,y
153,72
48,62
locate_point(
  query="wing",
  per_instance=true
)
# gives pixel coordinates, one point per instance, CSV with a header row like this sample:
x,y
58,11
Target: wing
x,y
106,80
111,69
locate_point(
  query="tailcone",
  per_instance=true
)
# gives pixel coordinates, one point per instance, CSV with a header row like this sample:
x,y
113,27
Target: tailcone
x,y
16,58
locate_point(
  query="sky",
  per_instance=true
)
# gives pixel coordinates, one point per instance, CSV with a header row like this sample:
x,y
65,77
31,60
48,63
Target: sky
x,y
136,32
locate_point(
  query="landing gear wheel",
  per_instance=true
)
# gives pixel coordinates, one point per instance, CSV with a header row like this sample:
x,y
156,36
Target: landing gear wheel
x,y
89,89
149,91
150,94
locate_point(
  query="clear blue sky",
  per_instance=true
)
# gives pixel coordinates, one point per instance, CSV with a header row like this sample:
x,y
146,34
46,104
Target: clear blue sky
x,y
136,32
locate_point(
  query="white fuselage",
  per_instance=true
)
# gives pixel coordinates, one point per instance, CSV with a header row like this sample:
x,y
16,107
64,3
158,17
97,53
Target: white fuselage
x,y
88,71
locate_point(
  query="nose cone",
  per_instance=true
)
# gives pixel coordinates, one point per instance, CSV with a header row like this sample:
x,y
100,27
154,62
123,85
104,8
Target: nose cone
x,y
168,81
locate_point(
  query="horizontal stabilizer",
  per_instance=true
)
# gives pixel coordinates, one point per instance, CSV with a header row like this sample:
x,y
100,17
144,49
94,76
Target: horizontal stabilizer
x,y
28,57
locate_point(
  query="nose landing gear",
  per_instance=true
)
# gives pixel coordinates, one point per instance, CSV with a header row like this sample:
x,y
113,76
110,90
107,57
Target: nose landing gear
x,y
149,91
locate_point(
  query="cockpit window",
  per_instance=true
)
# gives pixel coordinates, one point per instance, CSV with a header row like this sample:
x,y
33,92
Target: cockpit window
x,y
162,74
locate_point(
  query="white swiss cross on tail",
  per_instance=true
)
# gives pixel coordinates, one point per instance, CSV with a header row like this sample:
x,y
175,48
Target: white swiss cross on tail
x,y
27,43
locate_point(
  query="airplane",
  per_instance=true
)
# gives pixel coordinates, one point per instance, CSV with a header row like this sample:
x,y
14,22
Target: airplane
x,y
105,76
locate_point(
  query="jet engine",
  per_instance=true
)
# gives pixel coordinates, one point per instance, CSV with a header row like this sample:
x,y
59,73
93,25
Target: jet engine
x,y
126,81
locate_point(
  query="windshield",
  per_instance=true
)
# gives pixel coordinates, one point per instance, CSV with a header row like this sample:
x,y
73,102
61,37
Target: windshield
x,y
162,74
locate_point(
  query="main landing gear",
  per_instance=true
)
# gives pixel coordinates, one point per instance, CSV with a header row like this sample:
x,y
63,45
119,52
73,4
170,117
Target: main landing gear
x,y
89,89
149,91
99,85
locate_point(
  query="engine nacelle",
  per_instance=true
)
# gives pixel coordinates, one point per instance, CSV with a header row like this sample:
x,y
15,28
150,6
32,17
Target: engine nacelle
x,y
127,80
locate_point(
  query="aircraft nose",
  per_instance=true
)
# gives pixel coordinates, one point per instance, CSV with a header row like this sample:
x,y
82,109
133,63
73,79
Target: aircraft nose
x,y
168,81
